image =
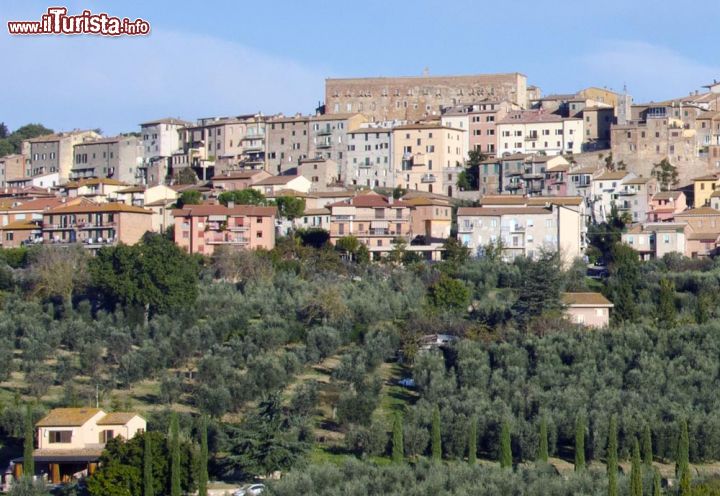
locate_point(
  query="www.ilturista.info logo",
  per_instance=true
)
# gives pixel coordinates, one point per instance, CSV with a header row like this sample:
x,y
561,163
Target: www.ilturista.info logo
x,y
56,21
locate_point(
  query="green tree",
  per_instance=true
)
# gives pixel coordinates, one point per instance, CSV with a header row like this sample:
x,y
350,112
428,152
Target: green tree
x,y
539,287
449,293
190,197
666,174
350,245
682,458
636,471
249,196
203,468
58,272
580,443
435,439
543,442
185,175
666,303
148,483
28,487
505,445
656,483
455,253
685,484
469,178
624,282
154,274
290,207
472,441
29,444
647,446
397,438
174,448
612,457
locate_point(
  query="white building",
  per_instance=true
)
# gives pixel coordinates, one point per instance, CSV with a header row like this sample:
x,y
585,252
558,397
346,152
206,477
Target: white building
x,y
535,131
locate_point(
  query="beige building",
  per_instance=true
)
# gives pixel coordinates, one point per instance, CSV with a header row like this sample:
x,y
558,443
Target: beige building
x,y
271,185
428,157
533,131
116,158
587,309
239,179
656,239
71,440
413,98
54,153
12,167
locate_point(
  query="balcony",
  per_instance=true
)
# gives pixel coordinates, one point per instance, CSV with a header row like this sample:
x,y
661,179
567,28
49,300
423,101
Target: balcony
x,y
323,145
323,132
517,228
531,138
365,165
428,178
466,227
226,240
513,186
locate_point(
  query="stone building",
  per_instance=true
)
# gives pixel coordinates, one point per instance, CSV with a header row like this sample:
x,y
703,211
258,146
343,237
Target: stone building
x,y
328,136
415,97
287,141
54,153
117,157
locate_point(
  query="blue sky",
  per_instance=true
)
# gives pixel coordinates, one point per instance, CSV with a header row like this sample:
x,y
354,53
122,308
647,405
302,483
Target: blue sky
x,y
243,56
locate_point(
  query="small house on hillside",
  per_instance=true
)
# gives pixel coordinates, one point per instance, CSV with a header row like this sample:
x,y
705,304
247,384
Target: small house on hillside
x,y
588,309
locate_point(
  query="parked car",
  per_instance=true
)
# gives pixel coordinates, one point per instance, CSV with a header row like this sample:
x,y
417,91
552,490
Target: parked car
x,y
407,382
250,490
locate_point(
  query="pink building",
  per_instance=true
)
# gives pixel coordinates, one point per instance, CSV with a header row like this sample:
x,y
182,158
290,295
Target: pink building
x,y
481,118
556,178
665,205
200,228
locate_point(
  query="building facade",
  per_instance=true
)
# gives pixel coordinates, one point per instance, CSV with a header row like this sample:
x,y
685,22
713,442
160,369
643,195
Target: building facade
x,y
370,158
117,158
533,131
413,98
54,153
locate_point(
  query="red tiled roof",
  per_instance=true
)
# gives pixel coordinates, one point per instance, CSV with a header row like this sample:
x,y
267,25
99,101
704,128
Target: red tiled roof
x,y
89,207
497,212
585,300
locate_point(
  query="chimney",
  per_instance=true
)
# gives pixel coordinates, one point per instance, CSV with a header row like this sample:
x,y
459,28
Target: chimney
x,y
390,200
231,204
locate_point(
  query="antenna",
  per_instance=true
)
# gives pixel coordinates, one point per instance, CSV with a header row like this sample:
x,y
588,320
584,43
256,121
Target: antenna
x,y
97,396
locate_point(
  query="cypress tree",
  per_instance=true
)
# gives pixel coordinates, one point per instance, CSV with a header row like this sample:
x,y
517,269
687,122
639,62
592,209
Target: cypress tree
x,y
612,457
543,446
636,471
148,482
682,459
29,445
685,486
175,468
203,475
505,448
666,303
472,442
397,439
656,483
647,446
435,439
580,443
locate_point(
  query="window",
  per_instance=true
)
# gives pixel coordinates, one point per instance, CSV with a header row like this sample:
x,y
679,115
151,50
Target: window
x,y
106,436
55,437
258,234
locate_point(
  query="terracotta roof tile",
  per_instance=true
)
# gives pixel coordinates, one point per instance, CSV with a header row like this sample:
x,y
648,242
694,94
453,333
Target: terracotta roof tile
x,y
585,299
117,418
67,417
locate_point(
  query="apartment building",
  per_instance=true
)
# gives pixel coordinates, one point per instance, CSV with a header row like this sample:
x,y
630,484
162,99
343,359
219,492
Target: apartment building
x,y
71,440
413,98
430,217
54,153
634,197
375,220
536,131
597,122
370,158
117,158
96,225
202,228
287,142
329,136
428,157
479,119
523,230
704,187
98,189
161,139
605,189
656,239
518,174
12,167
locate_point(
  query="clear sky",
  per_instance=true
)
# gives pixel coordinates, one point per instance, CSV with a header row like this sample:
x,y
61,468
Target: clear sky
x,y
232,57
